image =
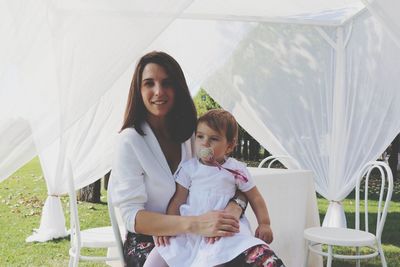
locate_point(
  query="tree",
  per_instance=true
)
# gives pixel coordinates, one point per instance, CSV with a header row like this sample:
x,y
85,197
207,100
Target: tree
x,y
393,158
106,179
90,193
204,102
254,148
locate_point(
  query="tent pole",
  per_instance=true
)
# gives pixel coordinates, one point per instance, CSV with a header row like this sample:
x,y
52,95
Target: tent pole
x,y
335,216
326,37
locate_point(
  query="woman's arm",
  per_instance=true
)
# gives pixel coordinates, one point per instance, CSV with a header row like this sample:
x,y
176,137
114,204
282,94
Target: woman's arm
x,y
234,208
259,207
213,223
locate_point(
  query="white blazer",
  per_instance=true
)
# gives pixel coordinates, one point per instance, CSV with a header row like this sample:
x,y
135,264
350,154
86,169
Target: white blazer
x,y
140,176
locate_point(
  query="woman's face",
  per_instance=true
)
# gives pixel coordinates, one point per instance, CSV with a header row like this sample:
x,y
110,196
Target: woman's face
x,y
157,92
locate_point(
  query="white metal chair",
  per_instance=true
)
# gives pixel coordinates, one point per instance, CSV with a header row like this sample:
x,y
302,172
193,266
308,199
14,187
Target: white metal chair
x,y
275,158
100,237
355,237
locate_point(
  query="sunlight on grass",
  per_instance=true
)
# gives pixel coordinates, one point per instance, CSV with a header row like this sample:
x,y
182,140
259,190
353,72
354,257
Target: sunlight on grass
x,y
22,197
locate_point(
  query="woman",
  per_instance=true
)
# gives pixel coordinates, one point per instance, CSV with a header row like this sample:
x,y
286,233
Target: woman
x,y
160,118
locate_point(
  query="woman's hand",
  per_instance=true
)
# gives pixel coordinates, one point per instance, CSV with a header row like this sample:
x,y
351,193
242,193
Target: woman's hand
x,y
216,223
161,240
264,232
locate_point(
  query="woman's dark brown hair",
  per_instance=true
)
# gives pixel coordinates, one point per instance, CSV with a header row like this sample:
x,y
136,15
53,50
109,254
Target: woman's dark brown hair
x,y
181,120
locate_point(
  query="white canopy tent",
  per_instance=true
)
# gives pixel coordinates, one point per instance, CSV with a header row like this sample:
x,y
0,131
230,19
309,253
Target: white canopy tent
x,y
317,80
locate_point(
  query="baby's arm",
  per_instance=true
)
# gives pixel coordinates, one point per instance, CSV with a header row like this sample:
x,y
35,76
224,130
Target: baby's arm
x,y
179,198
259,207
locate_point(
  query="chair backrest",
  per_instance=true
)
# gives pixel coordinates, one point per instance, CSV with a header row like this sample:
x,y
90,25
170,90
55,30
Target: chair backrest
x,y
386,188
275,158
75,234
116,223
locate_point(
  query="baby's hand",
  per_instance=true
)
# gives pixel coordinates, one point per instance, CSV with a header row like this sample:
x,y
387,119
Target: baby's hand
x,y
212,240
161,240
264,232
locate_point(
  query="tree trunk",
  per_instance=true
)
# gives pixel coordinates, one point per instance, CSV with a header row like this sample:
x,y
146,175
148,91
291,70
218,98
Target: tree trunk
x,y
251,148
254,149
394,158
106,179
245,146
238,149
90,193
258,147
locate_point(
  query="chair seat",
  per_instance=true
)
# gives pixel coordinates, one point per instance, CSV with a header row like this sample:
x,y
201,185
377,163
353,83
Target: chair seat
x,y
100,237
339,236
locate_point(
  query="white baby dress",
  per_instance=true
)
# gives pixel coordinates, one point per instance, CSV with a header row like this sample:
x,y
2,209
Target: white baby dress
x,y
210,188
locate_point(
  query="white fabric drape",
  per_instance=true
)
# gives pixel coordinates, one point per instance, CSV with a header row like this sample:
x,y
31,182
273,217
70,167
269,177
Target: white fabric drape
x,y
285,86
387,12
66,66
64,55
60,126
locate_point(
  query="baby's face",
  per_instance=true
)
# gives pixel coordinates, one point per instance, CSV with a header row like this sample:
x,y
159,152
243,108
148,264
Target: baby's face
x,y
209,139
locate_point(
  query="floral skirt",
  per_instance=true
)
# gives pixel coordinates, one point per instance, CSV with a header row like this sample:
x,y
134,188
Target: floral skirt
x,y
137,247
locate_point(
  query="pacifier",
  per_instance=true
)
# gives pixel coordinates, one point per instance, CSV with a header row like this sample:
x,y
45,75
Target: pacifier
x,y
206,154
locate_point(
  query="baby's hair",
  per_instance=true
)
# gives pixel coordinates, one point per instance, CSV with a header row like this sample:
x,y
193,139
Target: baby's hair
x,y
223,122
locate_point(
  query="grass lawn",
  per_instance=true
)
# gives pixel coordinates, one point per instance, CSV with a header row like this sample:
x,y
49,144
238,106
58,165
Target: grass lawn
x,y
21,199
23,194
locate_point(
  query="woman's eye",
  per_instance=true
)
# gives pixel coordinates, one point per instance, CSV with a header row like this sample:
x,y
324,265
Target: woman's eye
x,y
148,83
199,136
214,139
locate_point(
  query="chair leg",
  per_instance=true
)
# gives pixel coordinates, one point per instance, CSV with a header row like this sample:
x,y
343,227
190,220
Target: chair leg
x,y
383,260
307,252
71,261
329,260
73,258
358,260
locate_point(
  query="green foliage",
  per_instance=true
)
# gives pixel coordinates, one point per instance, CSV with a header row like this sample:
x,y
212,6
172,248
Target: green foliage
x,y
204,102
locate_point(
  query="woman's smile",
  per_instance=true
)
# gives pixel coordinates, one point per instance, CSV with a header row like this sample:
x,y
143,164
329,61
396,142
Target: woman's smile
x,y
157,91
159,102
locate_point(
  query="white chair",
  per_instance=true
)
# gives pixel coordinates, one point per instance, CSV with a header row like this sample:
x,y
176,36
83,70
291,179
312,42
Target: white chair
x,y
100,237
117,226
274,158
357,238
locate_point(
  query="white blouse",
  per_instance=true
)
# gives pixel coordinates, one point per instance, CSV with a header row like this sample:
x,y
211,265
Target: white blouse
x,y
140,176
